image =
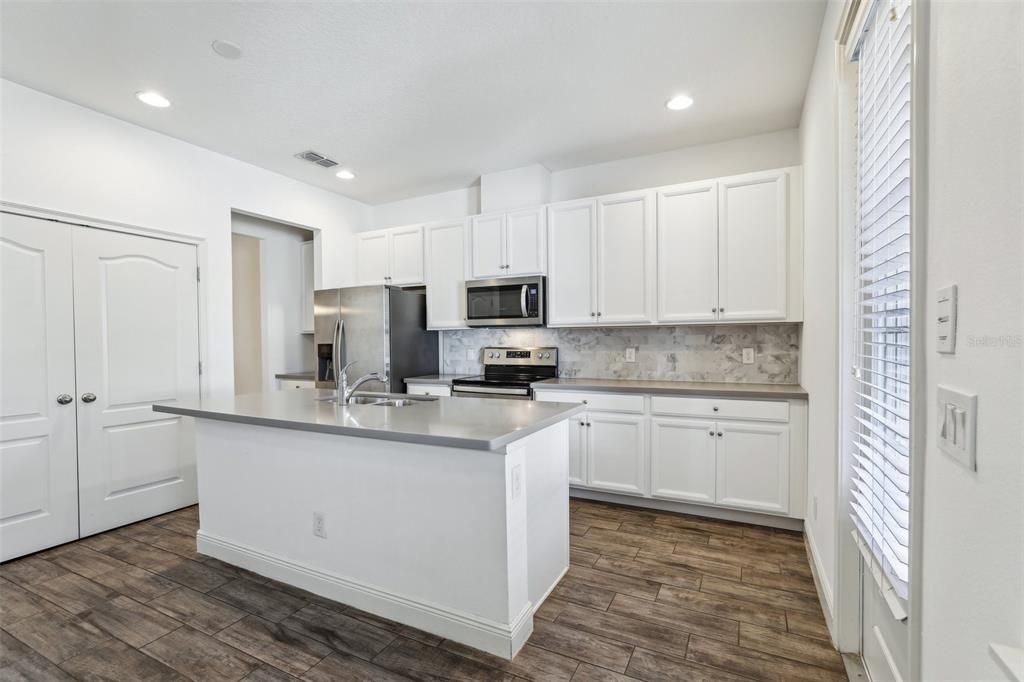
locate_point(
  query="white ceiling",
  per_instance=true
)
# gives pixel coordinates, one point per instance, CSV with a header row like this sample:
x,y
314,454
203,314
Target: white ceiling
x,y
424,97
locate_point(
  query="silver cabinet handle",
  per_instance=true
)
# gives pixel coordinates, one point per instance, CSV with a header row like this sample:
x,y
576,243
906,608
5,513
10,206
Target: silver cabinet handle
x,y
714,310
88,397
593,314
719,434
711,433
64,399
715,408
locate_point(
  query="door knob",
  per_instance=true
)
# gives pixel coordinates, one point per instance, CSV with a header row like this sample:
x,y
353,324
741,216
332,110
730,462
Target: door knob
x,y
88,397
64,399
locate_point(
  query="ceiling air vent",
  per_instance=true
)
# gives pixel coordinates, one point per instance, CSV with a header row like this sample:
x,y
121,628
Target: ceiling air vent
x,y
318,159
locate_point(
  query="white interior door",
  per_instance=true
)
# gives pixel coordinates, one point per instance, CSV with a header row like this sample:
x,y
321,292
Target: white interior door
x,y
488,248
525,241
753,226
38,467
688,253
571,263
136,343
683,459
625,258
406,256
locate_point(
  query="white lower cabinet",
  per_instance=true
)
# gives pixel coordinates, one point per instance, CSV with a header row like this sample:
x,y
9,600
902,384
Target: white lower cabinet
x,y
616,448
683,461
753,466
740,453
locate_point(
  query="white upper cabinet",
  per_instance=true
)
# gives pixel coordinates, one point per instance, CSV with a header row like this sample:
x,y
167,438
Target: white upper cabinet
x,y
446,275
625,258
688,252
525,241
406,257
753,246
306,298
372,257
572,247
392,256
508,244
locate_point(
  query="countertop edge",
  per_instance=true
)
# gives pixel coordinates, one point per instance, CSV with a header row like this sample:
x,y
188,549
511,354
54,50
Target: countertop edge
x,y
797,392
495,444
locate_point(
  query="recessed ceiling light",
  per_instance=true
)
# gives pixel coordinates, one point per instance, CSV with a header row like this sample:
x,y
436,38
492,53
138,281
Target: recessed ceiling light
x,y
153,99
226,49
679,102
345,174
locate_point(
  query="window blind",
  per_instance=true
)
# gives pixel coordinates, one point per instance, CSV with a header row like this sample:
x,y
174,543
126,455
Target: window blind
x,y
881,401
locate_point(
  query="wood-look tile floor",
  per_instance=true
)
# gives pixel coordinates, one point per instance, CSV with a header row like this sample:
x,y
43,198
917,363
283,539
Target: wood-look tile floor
x,y
649,596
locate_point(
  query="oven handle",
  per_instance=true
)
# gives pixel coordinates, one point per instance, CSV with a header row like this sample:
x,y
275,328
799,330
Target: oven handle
x,y
522,299
492,391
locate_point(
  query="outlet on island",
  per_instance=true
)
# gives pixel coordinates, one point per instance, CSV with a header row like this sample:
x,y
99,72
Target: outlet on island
x,y
319,525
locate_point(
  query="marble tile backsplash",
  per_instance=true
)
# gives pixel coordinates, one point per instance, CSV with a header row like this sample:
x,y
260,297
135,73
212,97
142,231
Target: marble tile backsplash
x,y
695,353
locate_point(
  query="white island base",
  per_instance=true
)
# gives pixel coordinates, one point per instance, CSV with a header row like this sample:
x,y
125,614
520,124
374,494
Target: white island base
x,y
462,543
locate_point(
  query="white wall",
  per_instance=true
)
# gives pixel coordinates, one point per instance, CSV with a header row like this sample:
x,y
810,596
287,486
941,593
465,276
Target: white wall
x,y
429,207
973,544
744,155
280,295
60,156
819,343
699,162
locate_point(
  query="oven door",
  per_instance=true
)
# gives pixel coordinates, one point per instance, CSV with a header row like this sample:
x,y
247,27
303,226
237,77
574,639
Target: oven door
x,y
506,392
512,302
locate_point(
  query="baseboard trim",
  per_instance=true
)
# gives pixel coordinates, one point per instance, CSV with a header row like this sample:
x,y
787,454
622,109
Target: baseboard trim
x,y
755,518
823,587
495,638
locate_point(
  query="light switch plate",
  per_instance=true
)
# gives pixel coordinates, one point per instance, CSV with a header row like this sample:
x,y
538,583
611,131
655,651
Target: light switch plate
x,y
945,319
958,425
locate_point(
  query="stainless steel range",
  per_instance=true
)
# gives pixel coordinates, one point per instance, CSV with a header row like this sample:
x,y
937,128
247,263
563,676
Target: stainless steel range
x,y
508,373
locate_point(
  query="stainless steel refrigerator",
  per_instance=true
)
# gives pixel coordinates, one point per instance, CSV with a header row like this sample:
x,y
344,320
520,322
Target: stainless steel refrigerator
x,y
381,328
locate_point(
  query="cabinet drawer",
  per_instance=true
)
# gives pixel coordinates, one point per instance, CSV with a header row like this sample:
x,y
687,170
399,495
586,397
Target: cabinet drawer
x,y
429,389
721,408
295,383
600,402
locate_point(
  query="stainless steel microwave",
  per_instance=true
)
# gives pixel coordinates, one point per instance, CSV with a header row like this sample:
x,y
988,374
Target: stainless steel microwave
x,y
509,302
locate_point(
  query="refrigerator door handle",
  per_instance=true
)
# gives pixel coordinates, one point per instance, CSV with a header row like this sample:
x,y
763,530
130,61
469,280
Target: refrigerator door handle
x,y
522,299
336,352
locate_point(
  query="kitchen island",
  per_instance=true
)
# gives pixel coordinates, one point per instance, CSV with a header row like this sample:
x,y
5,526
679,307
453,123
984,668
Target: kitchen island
x,y
450,514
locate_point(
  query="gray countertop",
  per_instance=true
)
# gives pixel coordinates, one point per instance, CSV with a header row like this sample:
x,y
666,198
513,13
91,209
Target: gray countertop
x,y
442,379
473,423
295,376
727,390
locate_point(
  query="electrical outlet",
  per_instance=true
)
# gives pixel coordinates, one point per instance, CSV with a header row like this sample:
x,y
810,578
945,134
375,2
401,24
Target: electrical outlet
x,y
748,356
319,525
631,354
517,480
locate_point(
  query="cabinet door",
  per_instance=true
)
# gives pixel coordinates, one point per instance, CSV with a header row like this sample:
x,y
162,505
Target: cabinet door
x,y
753,466
572,237
446,275
371,258
132,351
306,297
525,242
688,253
683,459
752,244
615,452
38,459
488,246
625,258
578,450
405,264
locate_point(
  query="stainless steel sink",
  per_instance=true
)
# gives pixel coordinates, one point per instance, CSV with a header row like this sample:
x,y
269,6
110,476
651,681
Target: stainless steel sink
x,y
399,402
364,400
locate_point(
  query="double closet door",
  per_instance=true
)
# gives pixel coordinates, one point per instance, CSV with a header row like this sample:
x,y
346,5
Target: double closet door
x,y
95,327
